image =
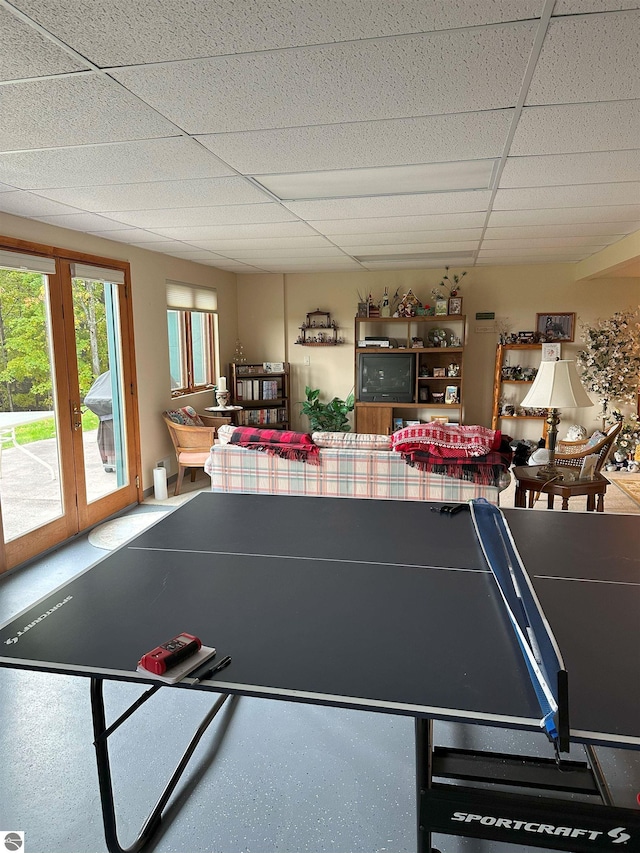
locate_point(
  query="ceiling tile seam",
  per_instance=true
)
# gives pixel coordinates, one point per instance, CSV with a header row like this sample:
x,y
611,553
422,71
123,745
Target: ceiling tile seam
x,y
574,154
19,81
532,63
110,143
319,45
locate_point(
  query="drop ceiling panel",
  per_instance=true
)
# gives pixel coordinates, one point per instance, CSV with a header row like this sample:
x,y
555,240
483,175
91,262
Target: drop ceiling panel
x,y
597,229
240,231
399,205
588,58
225,246
576,7
27,204
320,85
563,216
559,129
121,32
82,222
562,169
401,238
547,251
427,139
489,244
526,259
414,264
74,110
118,163
187,216
398,224
136,236
411,248
26,53
161,194
384,180
569,196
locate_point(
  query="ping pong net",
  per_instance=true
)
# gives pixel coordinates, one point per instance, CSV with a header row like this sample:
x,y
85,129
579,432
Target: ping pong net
x,y
532,630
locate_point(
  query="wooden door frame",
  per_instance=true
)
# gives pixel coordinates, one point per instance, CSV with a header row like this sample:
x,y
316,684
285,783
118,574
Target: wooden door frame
x,y
43,538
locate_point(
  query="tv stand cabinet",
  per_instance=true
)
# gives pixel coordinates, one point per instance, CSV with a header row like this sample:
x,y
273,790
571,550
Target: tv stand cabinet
x,y
437,344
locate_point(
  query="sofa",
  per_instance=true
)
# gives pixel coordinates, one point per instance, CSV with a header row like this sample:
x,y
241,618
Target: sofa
x,y
351,465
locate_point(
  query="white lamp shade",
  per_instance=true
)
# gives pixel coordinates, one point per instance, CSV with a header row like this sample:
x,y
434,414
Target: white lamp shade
x,y
557,386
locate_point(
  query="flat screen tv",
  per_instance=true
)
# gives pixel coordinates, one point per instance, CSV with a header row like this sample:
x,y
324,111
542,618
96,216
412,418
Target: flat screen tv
x,y
386,378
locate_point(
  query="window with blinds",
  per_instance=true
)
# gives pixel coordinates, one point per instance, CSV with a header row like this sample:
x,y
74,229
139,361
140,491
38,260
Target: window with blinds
x,y
192,328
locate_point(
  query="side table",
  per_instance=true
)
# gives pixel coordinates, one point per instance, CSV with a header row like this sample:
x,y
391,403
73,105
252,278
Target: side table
x,y
230,411
571,486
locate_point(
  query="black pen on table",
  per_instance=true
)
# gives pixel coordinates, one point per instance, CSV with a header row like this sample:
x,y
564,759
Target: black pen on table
x,y
212,671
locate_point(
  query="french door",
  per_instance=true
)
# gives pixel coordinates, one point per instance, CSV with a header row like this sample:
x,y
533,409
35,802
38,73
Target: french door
x,y
69,453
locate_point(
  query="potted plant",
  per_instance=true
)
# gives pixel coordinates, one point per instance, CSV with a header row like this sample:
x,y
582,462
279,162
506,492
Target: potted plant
x,y
327,417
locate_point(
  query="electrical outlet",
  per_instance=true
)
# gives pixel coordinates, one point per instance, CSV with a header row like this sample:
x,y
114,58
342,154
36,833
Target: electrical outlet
x,y
307,360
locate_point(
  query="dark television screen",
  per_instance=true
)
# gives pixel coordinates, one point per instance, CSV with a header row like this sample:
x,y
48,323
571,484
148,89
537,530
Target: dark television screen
x,y
386,378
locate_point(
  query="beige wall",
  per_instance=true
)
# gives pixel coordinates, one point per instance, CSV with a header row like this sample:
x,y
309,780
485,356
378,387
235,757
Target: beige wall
x,y
517,293
149,272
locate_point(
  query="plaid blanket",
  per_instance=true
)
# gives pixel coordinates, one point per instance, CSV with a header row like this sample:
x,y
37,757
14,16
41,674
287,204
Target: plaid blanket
x,y
446,440
278,442
485,470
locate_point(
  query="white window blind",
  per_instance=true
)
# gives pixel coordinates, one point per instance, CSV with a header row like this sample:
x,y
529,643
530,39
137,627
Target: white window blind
x,y
97,273
27,263
188,297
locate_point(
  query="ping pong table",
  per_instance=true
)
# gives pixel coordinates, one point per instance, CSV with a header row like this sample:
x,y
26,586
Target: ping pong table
x,y
383,606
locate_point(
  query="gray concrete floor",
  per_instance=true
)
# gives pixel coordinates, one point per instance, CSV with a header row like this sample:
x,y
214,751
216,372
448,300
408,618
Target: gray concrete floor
x,y
268,776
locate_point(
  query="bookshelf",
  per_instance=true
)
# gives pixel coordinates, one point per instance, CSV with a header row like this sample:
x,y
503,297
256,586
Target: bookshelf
x,y
263,392
513,388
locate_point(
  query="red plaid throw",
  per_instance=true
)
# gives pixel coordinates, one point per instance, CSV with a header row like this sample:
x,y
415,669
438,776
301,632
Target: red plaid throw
x,y
446,440
485,470
278,442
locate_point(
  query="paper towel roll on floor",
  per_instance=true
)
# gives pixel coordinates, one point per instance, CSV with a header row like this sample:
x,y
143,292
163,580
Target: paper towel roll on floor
x,y
160,484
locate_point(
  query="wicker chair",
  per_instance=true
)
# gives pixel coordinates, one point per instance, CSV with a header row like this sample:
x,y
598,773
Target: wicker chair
x,y
192,444
573,452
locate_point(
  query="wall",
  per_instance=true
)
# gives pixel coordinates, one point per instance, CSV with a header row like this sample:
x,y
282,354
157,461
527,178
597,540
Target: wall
x,y
149,272
514,292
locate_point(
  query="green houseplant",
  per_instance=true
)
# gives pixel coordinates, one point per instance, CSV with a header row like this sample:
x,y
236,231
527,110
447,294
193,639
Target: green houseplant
x,y
327,417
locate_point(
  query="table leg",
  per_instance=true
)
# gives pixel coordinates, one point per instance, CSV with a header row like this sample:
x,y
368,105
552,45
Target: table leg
x,y
520,498
600,505
591,503
565,502
550,501
532,498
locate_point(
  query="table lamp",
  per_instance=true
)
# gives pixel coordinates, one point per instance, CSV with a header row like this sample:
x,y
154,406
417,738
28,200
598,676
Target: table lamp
x,y
556,386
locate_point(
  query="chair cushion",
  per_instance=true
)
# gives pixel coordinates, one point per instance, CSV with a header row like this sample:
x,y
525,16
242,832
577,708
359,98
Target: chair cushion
x,y
193,458
187,416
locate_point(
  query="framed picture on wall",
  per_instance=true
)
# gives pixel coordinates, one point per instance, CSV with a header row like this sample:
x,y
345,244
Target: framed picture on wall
x,y
551,352
455,305
556,327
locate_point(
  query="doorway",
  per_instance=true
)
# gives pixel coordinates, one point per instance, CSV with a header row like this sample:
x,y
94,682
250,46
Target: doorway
x,y
68,417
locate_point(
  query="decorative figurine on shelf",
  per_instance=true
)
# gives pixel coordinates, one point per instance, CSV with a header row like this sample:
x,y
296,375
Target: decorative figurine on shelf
x,y
385,309
408,304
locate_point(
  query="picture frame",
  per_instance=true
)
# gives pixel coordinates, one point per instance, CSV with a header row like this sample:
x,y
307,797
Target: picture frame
x,y
451,394
442,307
551,352
455,305
556,327
439,419
439,372
588,468
398,423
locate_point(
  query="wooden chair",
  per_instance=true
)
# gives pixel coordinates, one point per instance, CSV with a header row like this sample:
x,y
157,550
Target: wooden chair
x,y
573,452
192,443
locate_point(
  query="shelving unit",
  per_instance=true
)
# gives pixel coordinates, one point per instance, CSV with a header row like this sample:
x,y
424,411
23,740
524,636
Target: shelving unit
x,y
531,353
263,395
422,336
319,330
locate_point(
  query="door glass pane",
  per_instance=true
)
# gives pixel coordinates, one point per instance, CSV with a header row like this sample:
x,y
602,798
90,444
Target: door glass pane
x,y
99,356
30,488
200,346
177,359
